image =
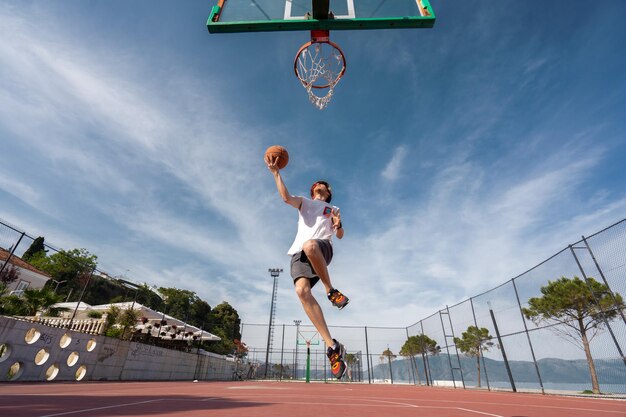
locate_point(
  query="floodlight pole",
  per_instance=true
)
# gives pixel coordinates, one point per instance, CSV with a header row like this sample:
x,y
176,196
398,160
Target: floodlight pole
x,y
274,273
295,359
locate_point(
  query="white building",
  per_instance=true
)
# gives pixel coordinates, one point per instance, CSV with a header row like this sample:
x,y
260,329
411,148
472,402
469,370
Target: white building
x,y
28,275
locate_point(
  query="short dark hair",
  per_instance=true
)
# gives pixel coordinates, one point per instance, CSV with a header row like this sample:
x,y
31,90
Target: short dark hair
x,y
330,190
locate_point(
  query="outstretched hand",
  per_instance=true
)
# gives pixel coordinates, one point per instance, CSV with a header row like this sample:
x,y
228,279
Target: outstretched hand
x,y
272,164
336,218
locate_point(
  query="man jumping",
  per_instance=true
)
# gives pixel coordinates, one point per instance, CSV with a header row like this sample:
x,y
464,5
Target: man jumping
x,y
311,253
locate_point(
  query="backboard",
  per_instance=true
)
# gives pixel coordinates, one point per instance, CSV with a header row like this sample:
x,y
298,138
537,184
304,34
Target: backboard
x,y
230,16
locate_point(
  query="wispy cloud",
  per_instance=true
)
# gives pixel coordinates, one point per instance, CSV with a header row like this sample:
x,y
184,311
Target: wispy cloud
x,y
392,170
19,190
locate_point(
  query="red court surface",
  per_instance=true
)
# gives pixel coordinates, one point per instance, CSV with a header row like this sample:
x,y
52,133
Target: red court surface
x,y
264,399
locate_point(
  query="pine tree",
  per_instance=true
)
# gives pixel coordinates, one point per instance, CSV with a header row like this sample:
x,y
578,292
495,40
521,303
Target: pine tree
x,y
35,248
571,304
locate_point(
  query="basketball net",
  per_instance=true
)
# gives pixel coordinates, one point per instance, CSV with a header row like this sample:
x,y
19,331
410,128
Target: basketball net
x,y
319,65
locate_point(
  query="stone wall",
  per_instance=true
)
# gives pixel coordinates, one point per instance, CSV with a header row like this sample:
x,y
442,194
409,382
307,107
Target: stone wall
x,y
36,352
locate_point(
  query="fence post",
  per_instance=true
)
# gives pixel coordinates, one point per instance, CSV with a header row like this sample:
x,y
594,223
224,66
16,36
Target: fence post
x,y
411,360
80,299
425,361
532,351
611,294
595,299
389,362
506,361
11,253
367,352
480,351
282,349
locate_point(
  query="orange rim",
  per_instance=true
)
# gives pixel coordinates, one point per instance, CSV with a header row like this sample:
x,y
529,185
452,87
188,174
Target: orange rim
x,y
304,47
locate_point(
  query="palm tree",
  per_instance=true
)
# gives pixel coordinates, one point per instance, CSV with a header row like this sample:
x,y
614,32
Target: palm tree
x,y
35,300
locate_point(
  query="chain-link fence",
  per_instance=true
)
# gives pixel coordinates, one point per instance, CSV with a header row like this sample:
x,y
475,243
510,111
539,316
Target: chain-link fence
x,y
559,326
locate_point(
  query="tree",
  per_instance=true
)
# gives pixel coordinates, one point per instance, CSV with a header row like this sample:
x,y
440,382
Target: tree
x,y
128,319
419,345
9,275
570,304
30,302
12,305
36,248
352,360
74,266
225,323
388,356
473,342
282,371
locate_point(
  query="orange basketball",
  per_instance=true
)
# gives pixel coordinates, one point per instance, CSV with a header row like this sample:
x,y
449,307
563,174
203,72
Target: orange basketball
x,y
277,151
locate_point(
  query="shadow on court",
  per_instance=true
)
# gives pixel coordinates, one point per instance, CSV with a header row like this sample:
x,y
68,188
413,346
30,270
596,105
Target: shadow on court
x,y
93,406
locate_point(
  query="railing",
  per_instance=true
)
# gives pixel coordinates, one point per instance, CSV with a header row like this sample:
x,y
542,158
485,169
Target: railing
x,y
90,326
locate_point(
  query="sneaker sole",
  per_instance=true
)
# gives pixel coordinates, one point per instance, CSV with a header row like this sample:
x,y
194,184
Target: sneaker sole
x,y
345,370
342,352
341,308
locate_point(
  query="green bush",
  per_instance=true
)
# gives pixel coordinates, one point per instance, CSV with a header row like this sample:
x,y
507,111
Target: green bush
x,y
114,332
92,314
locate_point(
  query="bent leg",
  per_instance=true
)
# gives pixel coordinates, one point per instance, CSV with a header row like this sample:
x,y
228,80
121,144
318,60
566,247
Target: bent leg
x,y
313,309
315,256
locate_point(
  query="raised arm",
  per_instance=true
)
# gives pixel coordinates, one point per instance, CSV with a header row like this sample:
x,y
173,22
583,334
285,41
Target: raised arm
x,y
337,226
282,189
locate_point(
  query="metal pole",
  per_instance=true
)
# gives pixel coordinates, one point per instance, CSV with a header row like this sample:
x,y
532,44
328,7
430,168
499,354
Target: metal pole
x,y
11,253
282,350
506,362
611,294
367,352
427,375
411,360
389,361
274,273
595,299
81,298
308,362
295,359
480,350
532,351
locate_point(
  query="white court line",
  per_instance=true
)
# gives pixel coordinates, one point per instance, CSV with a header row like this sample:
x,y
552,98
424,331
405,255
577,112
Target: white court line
x,y
276,402
429,406
478,412
98,408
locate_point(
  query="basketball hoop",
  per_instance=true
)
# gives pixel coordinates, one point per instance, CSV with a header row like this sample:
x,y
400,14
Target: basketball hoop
x,y
319,65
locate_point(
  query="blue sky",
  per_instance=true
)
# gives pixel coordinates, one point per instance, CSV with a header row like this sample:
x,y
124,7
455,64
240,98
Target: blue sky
x,y
460,155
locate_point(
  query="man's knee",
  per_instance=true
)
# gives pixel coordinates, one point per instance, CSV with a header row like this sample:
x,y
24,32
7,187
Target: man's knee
x,y
310,246
303,291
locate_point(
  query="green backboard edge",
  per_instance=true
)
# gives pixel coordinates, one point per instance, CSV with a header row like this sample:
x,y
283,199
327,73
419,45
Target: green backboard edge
x,y
313,24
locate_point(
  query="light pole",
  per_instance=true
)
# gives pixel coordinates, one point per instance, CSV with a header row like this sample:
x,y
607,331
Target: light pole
x,y
274,273
295,359
58,283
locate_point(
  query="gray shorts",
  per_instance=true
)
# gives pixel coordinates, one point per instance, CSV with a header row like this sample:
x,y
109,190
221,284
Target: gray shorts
x,y
302,268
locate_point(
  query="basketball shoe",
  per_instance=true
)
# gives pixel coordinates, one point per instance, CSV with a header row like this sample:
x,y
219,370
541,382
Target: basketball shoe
x,y
338,365
338,299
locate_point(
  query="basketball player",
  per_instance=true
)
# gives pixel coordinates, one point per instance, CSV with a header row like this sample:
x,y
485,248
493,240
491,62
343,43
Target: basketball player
x,y
311,252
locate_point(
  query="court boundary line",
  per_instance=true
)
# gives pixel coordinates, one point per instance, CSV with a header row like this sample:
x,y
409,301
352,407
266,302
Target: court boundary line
x,y
85,410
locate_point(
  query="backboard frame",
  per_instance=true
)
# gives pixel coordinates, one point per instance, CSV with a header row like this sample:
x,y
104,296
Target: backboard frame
x,y
426,19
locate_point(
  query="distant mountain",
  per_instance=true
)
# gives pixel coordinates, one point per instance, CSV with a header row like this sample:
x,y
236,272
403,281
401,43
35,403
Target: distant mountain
x,y
610,371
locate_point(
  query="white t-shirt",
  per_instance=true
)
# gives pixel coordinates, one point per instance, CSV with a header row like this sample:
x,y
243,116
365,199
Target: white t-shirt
x,y
314,222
